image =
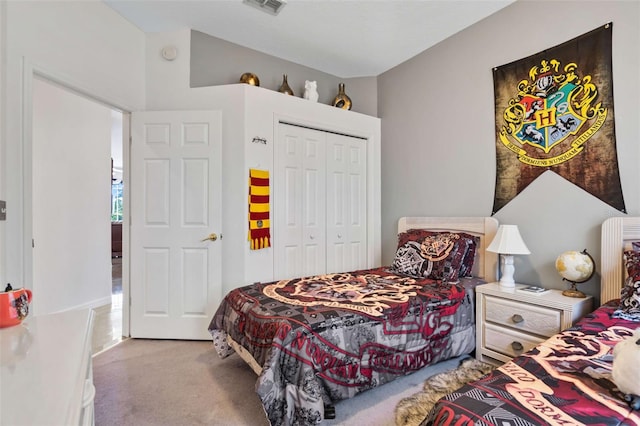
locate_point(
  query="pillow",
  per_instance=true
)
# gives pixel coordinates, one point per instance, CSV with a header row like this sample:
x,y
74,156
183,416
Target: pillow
x,y
469,256
436,255
635,245
629,308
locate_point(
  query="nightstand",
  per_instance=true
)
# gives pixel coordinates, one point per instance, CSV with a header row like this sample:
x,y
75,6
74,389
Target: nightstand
x,y
510,322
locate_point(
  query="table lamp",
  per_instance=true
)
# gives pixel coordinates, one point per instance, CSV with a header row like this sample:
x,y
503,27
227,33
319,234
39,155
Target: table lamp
x,y
508,242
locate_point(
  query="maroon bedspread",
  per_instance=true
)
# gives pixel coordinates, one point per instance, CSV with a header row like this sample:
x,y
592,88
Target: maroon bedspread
x,y
326,338
565,380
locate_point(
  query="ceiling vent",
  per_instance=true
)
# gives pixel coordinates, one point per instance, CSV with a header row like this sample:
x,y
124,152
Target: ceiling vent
x,y
272,7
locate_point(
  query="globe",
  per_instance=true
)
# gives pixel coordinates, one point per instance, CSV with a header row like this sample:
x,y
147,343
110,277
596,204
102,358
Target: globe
x,y
575,267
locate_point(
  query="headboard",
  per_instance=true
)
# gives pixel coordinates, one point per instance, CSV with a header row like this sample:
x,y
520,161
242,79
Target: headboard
x,y
486,263
617,233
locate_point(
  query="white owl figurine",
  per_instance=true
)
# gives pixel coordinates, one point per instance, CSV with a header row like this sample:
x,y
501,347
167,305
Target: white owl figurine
x,y
311,90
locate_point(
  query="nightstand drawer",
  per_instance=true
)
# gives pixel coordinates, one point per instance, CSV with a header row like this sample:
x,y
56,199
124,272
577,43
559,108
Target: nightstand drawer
x,y
508,342
526,317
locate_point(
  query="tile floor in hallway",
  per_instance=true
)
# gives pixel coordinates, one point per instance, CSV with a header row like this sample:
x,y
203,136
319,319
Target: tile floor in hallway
x,y
107,322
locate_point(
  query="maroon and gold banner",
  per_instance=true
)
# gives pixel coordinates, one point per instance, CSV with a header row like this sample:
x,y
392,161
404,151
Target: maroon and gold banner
x,y
554,112
259,234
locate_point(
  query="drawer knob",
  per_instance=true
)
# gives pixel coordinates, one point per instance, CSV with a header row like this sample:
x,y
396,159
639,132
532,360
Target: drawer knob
x,y
517,346
517,318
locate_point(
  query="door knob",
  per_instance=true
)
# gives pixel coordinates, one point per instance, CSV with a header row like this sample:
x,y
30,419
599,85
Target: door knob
x,y
211,237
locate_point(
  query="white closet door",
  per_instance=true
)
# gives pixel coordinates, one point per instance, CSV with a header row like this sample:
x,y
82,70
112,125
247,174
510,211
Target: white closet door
x,y
346,203
299,202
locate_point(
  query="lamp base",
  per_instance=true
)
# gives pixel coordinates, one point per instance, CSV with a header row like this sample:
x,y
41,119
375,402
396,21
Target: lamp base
x,y
506,280
507,284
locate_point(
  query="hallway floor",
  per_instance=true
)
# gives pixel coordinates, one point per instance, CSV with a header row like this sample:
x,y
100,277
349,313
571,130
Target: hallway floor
x,y
107,324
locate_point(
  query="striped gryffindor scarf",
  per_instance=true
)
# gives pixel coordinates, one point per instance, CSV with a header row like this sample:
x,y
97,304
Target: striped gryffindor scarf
x,y
259,234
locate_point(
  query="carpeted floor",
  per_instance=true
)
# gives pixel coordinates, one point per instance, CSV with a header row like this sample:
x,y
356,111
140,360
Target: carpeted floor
x,y
172,382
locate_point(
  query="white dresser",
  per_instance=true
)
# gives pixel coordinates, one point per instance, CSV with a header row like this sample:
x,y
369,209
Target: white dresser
x,y
510,322
46,375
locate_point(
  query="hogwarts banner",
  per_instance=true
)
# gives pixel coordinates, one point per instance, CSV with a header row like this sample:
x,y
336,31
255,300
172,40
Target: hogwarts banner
x,y
554,111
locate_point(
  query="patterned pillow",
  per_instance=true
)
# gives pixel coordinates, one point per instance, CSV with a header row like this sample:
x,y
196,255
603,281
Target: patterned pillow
x,y
468,259
435,255
629,308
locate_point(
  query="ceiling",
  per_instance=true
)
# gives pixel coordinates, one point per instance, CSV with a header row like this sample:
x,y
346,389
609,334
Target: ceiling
x,y
345,38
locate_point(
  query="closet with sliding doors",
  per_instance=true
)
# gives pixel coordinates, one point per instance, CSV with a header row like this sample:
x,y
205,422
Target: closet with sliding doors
x,y
324,184
320,202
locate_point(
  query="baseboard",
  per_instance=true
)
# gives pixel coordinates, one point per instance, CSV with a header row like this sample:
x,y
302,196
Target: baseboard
x,y
94,304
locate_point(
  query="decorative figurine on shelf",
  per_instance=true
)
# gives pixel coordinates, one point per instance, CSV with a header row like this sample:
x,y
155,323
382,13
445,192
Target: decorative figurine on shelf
x,y
625,372
250,78
284,87
311,90
342,100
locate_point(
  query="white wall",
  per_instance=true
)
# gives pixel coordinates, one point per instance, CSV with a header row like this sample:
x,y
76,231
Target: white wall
x,y
3,39
439,132
85,45
71,203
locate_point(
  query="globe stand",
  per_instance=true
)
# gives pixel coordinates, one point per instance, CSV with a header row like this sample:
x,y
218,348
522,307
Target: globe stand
x,y
573,291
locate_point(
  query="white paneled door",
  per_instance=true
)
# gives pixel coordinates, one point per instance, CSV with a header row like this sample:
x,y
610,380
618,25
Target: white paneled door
x,y
175,196
300,192
346,203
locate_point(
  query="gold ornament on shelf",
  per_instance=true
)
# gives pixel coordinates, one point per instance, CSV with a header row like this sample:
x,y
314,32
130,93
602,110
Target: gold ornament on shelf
x,y
342,100
284,87
250,78
575,267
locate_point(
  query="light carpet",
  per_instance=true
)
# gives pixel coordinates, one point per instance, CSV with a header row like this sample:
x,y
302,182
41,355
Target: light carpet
x,y
173,382
411,411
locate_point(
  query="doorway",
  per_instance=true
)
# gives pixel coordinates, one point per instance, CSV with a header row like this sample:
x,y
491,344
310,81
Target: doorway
x,y
117,218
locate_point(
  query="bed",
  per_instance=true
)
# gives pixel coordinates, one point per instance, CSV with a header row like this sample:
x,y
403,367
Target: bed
x,y
566,379
316,340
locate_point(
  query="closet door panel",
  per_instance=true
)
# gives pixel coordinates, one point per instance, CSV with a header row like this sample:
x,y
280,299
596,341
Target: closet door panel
x,y
336,213
357,209
299,193
288,226
314,193
346,203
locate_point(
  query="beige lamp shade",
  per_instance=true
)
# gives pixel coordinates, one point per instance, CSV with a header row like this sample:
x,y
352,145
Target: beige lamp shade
x,y
508,242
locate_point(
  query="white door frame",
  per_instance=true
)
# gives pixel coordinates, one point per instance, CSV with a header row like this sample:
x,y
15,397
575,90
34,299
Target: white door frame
x,y
29,71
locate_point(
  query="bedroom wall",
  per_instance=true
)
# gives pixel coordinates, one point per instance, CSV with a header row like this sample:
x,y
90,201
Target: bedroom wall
x,y
3,39
84,45
208,70
71,146
438,137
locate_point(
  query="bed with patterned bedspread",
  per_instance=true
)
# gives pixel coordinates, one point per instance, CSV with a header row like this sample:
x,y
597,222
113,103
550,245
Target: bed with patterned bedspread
x,y
565,380
321,339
